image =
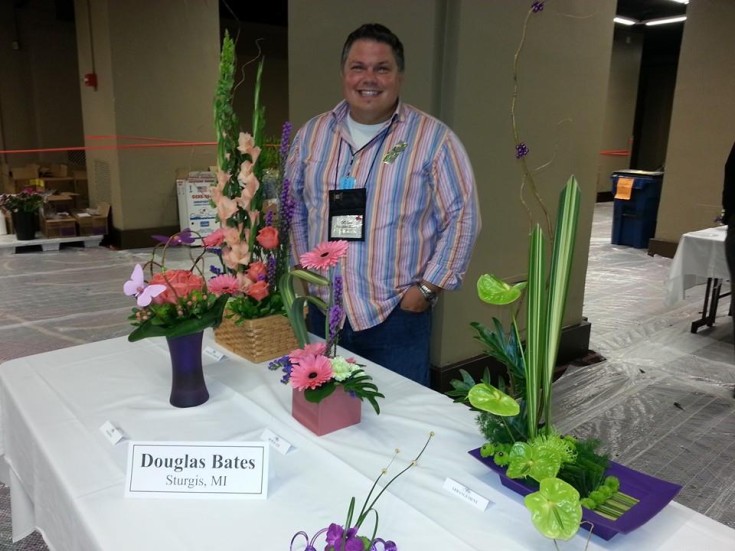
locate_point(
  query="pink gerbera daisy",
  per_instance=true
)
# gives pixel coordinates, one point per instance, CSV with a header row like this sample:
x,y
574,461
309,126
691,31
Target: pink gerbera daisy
x,y
223,284
310,372
313,349
324,255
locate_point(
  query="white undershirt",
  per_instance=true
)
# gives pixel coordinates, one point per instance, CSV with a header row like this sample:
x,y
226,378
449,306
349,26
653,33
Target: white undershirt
x,y
363,133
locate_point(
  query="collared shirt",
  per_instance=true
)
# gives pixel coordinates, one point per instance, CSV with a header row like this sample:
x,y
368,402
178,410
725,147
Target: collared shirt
x,y
422,215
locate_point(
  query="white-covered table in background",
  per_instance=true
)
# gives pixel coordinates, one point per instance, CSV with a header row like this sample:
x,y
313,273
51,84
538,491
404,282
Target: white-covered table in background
x,y
67,480
700,258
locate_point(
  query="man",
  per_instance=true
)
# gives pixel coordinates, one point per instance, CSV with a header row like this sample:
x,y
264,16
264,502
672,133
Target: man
x,y
728,217
397,184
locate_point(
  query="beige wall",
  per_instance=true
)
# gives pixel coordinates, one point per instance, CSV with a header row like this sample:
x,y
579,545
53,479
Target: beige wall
x,y
459,57
39,93
155,81
702,123
622,92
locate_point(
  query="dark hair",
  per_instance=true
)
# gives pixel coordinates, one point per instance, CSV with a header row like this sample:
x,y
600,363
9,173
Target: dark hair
x,y
378,33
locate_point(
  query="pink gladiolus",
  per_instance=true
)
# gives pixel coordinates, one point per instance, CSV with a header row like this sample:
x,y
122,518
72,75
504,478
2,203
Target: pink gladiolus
x,y
268,237
226,208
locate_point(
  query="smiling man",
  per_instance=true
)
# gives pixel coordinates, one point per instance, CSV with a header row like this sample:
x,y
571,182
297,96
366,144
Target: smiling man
x,y
397,184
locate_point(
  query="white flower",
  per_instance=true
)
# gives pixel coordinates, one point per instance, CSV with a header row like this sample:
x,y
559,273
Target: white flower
x,y
342,368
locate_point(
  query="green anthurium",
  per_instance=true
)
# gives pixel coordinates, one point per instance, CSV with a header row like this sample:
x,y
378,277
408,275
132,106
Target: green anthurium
x,y
528,460
555,509
495,291
486,397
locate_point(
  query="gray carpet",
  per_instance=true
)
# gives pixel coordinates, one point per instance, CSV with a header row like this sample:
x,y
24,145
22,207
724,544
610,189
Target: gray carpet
x,y
661,400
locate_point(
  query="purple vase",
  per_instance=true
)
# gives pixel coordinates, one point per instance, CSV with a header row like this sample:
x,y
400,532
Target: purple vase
x,y
188,388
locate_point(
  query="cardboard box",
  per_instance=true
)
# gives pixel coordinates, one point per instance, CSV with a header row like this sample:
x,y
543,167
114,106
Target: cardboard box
x,y
59,226
24,172
93,221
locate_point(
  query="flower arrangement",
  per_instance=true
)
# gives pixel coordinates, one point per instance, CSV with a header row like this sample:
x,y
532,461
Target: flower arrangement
x,y
340,538
27,200
316,368
254,235
175,302
516,416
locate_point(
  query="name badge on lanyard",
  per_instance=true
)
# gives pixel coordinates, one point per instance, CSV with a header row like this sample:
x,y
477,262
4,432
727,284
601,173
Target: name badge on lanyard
x,y
347,214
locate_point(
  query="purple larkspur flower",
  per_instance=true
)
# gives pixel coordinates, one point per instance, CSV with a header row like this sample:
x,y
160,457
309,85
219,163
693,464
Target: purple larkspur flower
x,y
215,270
537,6
270,269
287,206
337,290
285,138
269,218
335,317
521,150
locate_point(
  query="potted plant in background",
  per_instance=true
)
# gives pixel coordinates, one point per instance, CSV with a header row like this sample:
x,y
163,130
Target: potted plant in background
x,y
178,304
254,233
23,208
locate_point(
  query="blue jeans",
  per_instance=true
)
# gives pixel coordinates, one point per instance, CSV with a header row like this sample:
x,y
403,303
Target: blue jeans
x,y
400,343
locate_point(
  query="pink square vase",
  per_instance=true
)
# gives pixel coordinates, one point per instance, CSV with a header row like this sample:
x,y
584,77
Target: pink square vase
x,y
336,411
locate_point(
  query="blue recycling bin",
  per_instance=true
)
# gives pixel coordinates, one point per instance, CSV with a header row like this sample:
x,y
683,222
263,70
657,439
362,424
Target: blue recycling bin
x,y
634,219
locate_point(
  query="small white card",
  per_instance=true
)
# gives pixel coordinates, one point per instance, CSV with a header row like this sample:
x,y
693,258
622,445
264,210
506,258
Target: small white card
x,y
213,353
281,446
464,493
197,470
111,432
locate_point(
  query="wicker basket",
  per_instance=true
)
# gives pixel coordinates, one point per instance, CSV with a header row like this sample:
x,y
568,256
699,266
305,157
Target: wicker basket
x,y
257,340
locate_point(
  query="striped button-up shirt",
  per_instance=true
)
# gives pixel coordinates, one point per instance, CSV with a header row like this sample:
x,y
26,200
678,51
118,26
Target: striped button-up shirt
x,y
422,215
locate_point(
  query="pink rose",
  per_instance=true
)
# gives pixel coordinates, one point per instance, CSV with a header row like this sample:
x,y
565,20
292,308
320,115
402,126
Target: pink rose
x,y
178,283
257,271
214,239
258,290
268,237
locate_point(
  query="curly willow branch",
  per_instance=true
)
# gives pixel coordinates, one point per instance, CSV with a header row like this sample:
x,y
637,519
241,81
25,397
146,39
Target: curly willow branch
x,y
527,174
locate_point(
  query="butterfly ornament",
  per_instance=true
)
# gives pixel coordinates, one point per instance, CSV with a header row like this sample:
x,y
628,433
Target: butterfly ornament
x,y
136,287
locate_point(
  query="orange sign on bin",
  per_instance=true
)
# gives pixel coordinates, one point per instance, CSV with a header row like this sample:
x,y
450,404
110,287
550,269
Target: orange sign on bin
x,y
625,188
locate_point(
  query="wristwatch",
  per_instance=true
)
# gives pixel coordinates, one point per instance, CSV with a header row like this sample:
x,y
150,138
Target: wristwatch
x,y
430,296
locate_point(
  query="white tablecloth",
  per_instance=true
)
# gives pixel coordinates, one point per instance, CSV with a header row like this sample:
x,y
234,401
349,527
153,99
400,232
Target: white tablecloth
x,y
700,255
67,479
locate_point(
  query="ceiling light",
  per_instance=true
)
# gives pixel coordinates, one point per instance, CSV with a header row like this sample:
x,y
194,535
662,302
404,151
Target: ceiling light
x,y
665,20
625,20
681,1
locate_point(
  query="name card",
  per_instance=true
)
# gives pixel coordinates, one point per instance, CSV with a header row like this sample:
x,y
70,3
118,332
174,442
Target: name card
x,y
279,444
213,353
111,432
464,493
197,470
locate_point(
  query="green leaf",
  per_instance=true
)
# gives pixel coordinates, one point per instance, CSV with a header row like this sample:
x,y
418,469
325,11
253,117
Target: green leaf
x,y
535,327
555,509
486,397
561,267
318,394
495,291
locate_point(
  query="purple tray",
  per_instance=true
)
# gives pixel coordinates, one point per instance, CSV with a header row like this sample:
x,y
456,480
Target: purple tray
x,y
653,495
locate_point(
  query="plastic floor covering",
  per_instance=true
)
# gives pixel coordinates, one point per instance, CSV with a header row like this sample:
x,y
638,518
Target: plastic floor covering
x,y
661,401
